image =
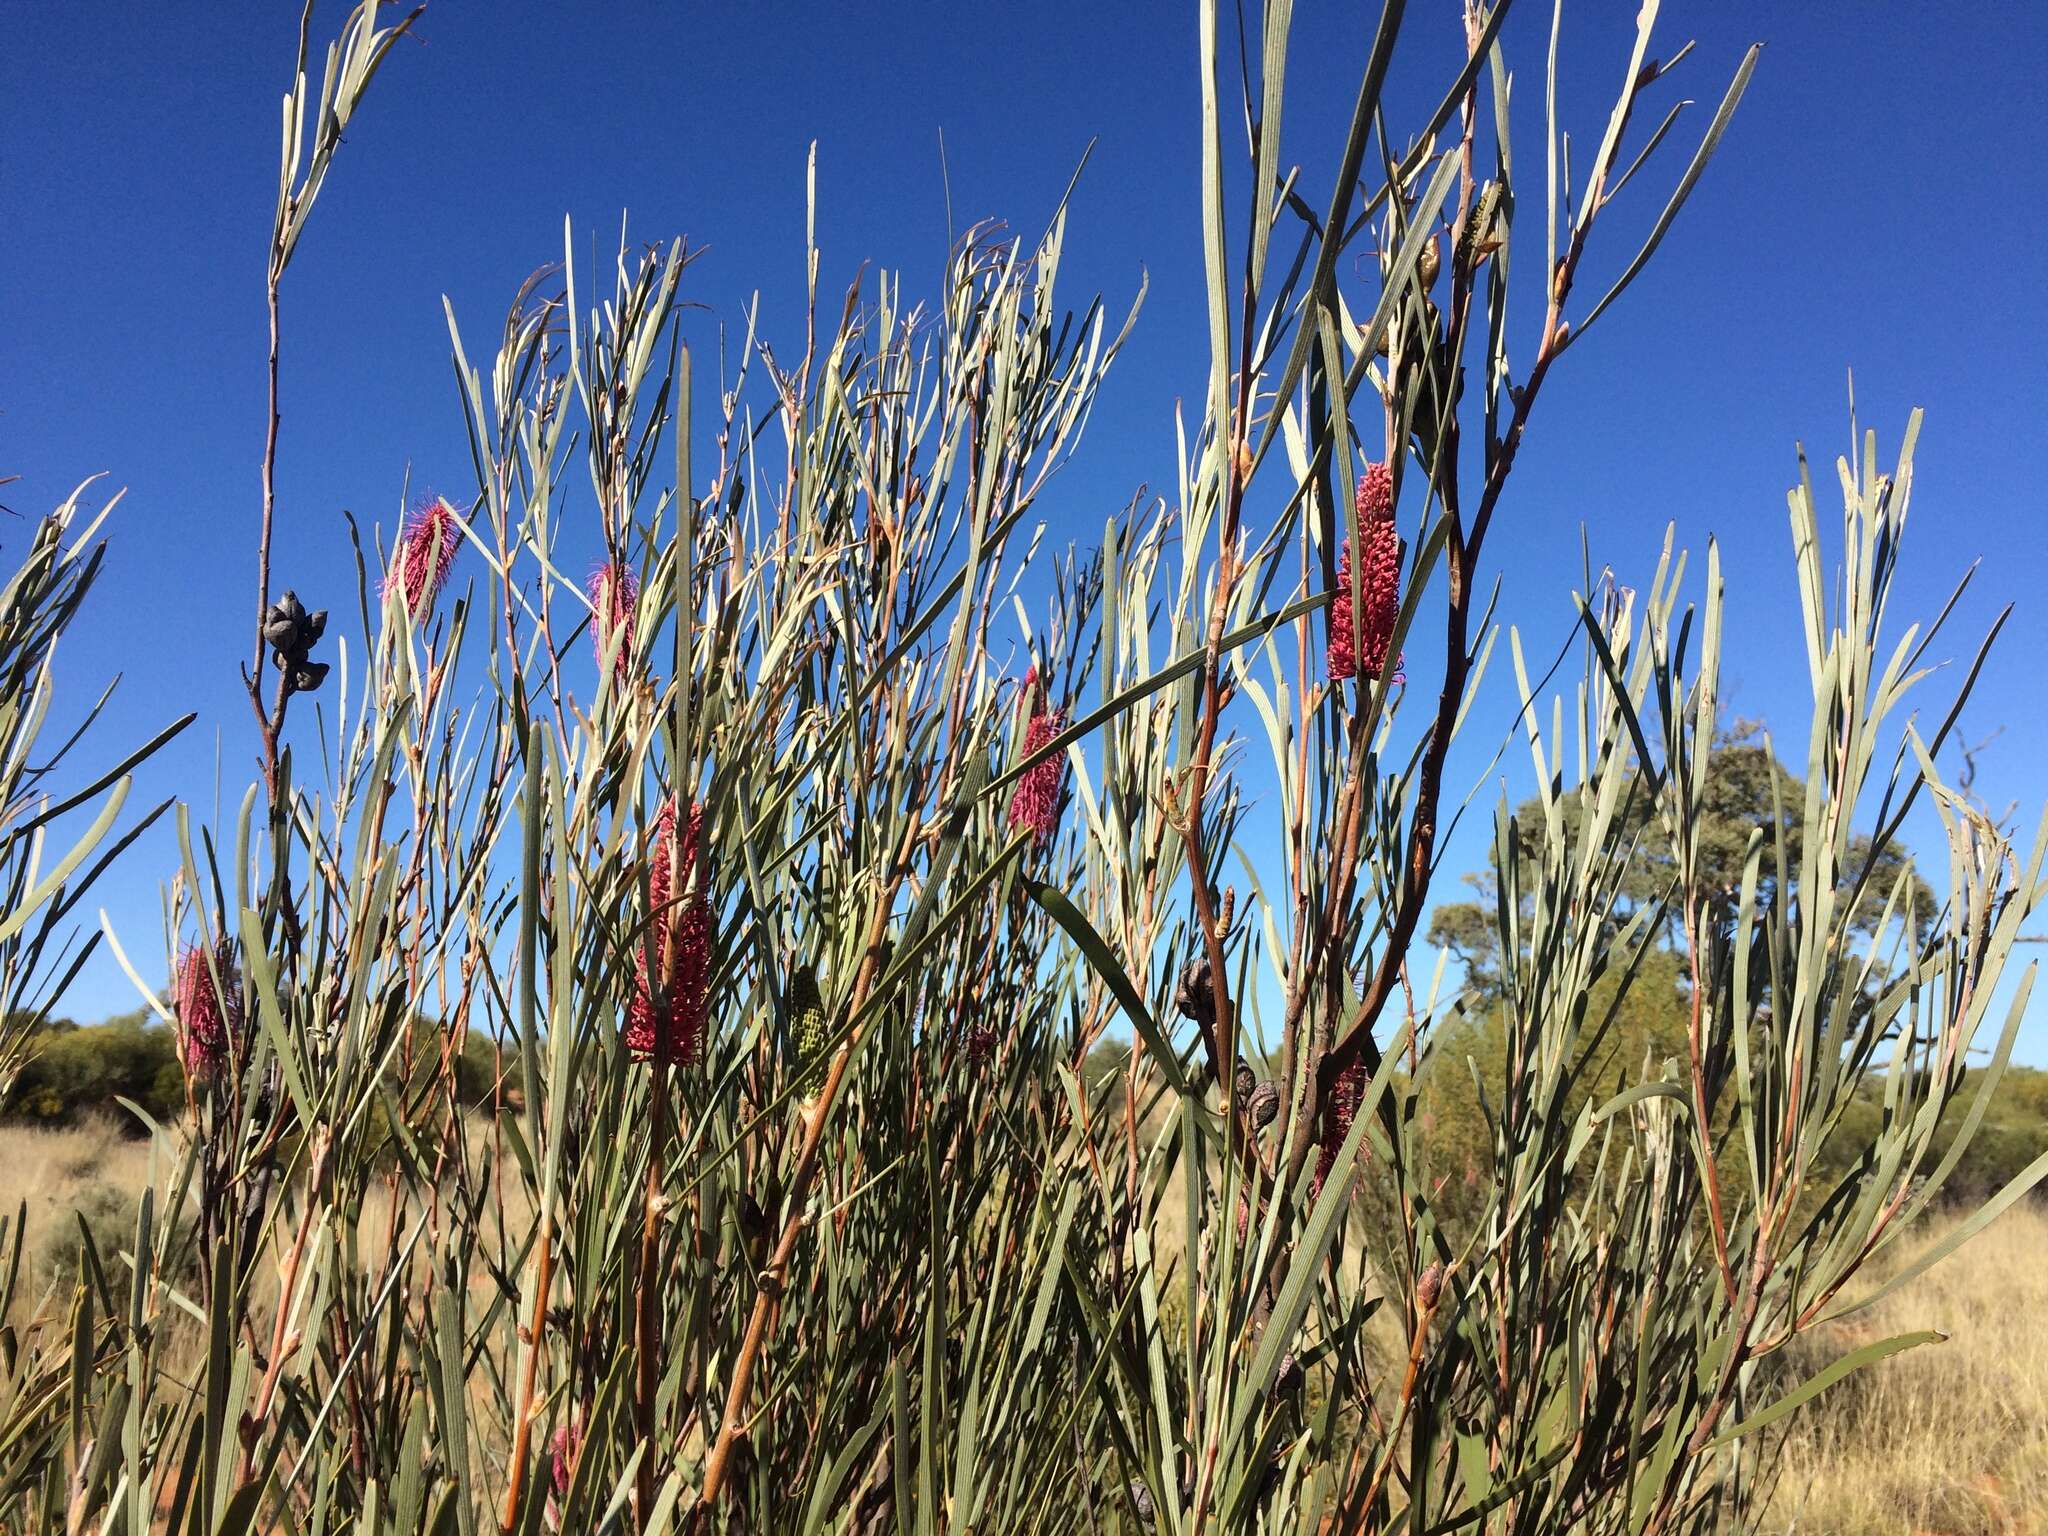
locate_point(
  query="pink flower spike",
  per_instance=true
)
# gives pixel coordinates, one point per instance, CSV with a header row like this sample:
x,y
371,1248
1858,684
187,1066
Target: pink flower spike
x,y
1036,803
209,1006
671,1006
1379,583
425,554
1346,1095
615,595
562,1449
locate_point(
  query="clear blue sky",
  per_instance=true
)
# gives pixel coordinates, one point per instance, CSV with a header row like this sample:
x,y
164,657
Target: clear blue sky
x,y
1877,205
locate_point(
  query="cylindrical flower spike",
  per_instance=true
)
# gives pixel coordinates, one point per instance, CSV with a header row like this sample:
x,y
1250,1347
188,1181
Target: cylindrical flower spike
x,y
615,594
1359,639
1036,803
671,1003
426,551
1346,1094
209,1004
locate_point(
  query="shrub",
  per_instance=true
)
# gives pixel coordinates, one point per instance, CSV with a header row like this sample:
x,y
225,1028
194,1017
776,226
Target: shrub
x,y
107,1215
72,1072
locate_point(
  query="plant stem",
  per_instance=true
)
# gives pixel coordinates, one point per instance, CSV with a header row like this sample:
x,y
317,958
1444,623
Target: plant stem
x,y
648,1342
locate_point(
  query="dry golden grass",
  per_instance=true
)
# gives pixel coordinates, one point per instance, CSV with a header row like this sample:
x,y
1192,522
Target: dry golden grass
x,y
94,1168
1951,1438
58,1172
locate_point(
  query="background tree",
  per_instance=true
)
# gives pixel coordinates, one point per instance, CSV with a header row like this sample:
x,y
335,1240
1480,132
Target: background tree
x,y
1749,790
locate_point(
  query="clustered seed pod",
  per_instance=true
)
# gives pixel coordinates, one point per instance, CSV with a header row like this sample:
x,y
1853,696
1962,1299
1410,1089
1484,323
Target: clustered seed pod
x,y
1428,262
209,1004
1379,583
290,632
672,1002
1036,804
807,1024
615,595
752,1222
1244,1083
426,551
1193,996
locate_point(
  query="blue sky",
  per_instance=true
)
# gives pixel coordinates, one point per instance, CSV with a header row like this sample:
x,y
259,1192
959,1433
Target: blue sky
x,y
1876,206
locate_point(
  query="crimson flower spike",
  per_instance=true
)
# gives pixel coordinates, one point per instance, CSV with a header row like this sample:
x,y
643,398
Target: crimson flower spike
x,y
426,553
671,1006
1379,583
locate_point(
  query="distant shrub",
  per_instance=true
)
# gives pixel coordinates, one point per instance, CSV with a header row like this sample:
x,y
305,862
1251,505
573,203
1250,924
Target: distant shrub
x,y
73,1071
108,1212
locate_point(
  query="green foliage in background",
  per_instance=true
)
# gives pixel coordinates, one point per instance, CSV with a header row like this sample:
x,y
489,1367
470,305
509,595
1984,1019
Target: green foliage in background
x,y
1748,790
71,1072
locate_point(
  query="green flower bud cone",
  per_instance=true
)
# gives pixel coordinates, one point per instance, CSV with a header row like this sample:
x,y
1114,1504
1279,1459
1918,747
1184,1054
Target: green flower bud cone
x,y
806,1008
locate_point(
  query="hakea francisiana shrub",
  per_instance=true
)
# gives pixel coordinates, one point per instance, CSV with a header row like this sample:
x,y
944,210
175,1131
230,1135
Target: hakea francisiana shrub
x,y
836,626
1379,583
209,1006
671,1004
1036,801
426,553
614,595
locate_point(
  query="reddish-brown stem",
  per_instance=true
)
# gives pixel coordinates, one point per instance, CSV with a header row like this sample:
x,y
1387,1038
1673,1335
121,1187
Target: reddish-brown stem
x,y
268,723
522,1418
1417,1347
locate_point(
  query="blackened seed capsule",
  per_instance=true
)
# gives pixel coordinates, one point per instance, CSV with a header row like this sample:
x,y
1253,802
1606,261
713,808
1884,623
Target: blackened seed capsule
x,y
1265,1106
1288,1377
1194,997
280,634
